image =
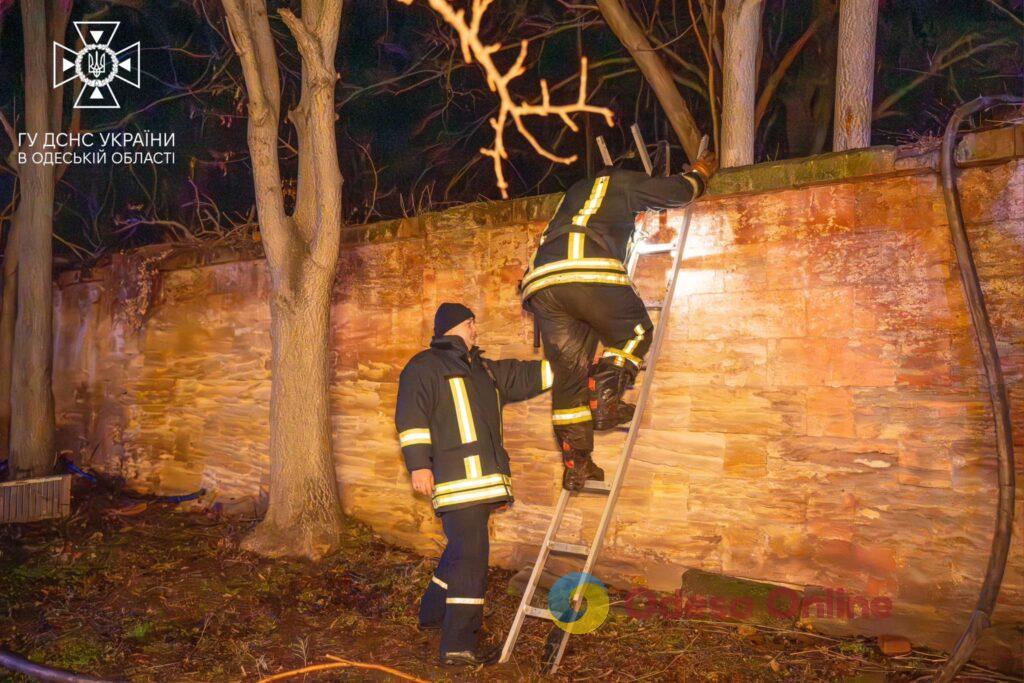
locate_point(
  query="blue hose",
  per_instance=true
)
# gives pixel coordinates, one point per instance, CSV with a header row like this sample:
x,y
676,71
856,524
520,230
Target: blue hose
x,y
178,499
75,469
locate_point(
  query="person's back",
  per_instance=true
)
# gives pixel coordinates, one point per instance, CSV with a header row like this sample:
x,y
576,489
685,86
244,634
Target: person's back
x,y
608,203
591,233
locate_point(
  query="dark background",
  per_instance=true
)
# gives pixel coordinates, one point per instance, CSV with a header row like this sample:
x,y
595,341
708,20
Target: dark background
x,y
412,116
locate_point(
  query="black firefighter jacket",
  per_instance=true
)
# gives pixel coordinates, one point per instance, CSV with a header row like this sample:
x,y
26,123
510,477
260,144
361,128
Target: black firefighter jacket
x,y
449,419
591,234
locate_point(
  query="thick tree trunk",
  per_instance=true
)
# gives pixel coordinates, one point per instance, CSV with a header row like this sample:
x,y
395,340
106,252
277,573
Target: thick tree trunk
x,y
304,515
658,76
8,312
32,409
742,20
855,74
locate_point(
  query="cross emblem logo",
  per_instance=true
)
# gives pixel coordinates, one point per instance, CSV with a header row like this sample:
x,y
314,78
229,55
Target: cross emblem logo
x,y
96,65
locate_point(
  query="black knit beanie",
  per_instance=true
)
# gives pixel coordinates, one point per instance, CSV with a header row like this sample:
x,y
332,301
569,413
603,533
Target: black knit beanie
x,y
448,316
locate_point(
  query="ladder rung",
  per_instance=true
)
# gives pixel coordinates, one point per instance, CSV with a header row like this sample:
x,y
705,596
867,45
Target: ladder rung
x,y
538,612
569,548
594,486
645,249
654,305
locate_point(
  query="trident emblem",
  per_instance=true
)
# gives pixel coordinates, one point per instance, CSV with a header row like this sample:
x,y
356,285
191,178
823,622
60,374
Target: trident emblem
x,y
97,63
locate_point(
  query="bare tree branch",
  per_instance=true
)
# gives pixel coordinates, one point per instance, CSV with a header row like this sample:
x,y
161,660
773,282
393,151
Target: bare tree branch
x,y
772,84
632,37
264,96
498,82
943,59
1006,12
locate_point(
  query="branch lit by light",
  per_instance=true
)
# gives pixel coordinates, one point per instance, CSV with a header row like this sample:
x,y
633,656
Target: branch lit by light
x,y
498,82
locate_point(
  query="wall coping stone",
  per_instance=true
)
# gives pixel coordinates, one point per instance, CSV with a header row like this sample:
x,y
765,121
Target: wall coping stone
x,y
982,147
991,146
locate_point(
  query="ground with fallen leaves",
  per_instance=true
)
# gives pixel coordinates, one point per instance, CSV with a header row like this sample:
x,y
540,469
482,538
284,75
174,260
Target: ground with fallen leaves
x,y
149,593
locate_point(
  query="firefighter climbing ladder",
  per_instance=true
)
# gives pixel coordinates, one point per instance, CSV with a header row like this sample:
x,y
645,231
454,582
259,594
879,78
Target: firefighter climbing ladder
x,y
550,544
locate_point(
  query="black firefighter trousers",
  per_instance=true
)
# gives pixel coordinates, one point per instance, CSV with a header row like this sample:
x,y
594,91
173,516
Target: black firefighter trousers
x,y
573,318
454,598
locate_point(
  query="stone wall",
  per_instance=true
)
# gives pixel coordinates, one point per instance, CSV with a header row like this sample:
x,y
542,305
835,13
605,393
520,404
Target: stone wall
x,y
819,416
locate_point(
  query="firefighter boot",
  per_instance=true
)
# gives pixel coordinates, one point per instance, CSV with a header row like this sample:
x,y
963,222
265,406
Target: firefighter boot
x,y
607,383
579,467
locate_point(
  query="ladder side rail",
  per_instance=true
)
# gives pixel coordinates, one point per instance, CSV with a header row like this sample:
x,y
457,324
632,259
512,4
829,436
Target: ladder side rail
x,y
634,427
634,430
641,149
603,148
535,574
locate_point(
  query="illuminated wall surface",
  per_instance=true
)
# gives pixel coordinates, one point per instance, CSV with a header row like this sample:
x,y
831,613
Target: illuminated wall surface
x,y
819,417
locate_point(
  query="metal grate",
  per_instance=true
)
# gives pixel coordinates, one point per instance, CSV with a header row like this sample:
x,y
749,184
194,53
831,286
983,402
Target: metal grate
x,y
30,500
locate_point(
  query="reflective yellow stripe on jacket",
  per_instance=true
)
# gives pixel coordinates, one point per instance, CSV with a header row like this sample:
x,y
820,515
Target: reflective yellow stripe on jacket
x,y
576,267
583,276
568,416
411,437
471,490
473,469
547,375
463,413
593,203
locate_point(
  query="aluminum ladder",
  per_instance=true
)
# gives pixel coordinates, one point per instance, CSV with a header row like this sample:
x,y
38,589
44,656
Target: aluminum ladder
x,y
590,553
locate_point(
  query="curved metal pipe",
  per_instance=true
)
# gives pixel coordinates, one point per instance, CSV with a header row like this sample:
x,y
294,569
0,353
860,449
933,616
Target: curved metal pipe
x,y
981,618
11,661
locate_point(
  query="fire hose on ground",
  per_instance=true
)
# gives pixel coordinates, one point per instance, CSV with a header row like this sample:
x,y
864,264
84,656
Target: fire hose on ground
x,y
982,615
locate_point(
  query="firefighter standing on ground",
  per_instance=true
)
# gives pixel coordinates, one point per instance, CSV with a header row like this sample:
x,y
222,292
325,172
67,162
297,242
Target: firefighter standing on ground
x,y
449,425
580,293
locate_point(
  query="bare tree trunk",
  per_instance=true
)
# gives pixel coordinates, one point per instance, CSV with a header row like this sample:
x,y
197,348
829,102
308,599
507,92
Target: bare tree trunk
x,y
304,516
742,20
660,79
855,74
8,311
32,410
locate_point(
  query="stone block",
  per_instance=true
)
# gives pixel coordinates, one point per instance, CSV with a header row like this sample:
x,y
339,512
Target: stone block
x,y
992,193
756,314
830,412
745,456
747,411
686,363
988,145
898,203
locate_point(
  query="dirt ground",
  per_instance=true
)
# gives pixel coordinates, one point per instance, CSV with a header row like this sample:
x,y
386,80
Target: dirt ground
x,y
164,595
